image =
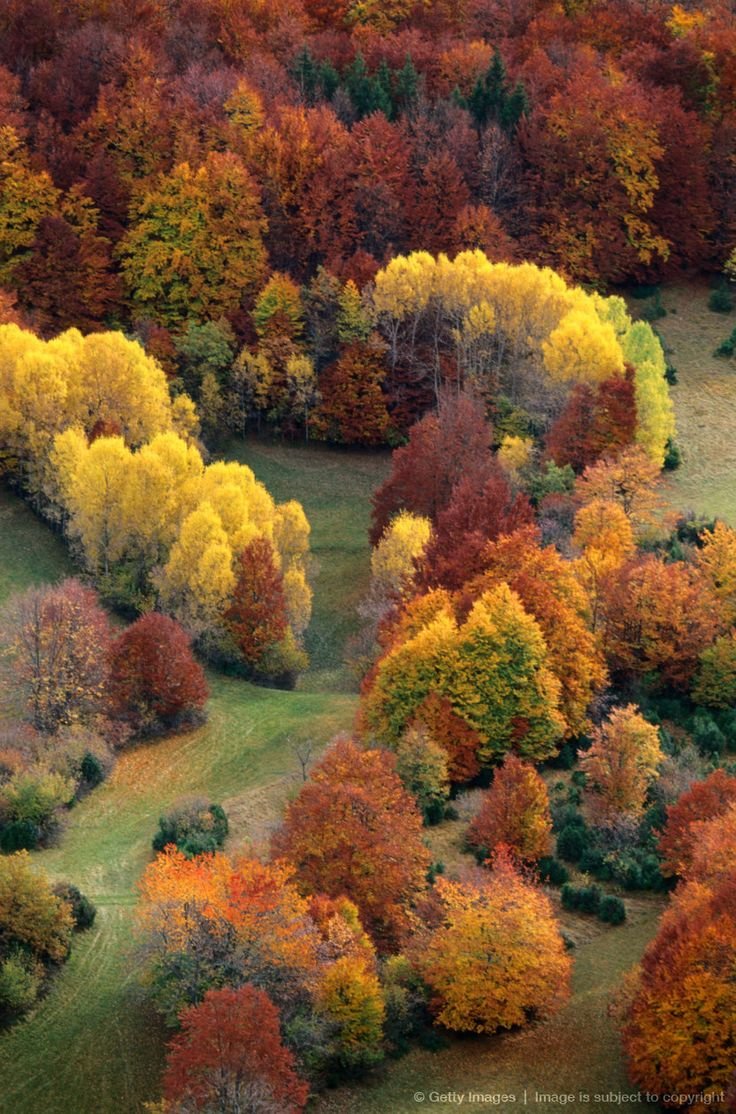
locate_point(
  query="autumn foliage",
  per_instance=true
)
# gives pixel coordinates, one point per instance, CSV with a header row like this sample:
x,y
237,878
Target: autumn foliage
x,y
230,1052
495,957
353,830
155,680
704,801
514,813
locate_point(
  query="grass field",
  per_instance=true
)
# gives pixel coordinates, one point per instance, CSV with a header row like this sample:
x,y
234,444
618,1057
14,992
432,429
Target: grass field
x,y
334,487
705,402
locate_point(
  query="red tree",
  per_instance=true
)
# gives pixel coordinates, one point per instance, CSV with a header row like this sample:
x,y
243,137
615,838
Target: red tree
x,y
595,421
257,616
442,448
354,831
229,1055
453,734
353,409
67,280
515,812
154,678
477,513
703,801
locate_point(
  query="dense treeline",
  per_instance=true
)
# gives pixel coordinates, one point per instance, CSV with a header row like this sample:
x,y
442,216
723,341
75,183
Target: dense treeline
x,y
227,180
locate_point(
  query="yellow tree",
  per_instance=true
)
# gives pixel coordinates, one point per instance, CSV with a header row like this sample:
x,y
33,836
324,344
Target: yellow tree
x,y
496,958
621,764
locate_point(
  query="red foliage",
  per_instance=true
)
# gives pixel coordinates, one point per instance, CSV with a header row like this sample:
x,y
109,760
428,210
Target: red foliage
x,y
154,677
67,280
703,801
475,515
229,1053
257,616
353,409
452,733
354,831
442,448
514,813
595,421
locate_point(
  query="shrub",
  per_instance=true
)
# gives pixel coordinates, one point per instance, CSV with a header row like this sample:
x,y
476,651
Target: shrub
x,y
83,910
551,870
194,826
92,770
20,835
593,861
20,980
612,910
727,346
707,735
672,456
670,374
720,300
655,310
571,843
581,899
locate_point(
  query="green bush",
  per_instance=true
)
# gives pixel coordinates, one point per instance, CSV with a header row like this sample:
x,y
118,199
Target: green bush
x,y
92,770
571,843
83,910
20,835
655,310
551,870
670,374
593,861
672,456
612,910
707,735
20,980
720,300
194,826
727,346
581,899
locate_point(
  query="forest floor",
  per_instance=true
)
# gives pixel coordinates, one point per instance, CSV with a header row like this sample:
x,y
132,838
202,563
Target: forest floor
x,y
93,1046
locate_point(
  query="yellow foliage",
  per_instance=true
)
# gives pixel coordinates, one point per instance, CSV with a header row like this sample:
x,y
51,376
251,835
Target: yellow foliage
x,y
392,561
514,452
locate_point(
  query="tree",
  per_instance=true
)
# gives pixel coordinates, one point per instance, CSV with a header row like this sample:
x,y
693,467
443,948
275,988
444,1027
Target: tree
x,y
459,741
194,246
26,196
155,680
715,685
703,801
394,558
658,618
278,310
421,763
476,515
496,958
230,1056
628,479
514,812
67,279
60,638
547,587
350,997
681,1026
621,764
354,830
716,557
31,915
597,421
493,668
441,449
353,408
256,618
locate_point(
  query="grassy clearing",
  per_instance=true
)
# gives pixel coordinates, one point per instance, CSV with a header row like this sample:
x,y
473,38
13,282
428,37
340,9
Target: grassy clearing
x,y
29,552
335,487
705,402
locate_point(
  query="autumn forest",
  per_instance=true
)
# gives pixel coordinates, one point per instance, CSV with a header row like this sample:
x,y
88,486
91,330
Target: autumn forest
x,y
368,556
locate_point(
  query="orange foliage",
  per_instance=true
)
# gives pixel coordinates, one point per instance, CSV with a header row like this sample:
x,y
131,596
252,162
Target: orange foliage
x,y
515,812
703,801
353,830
